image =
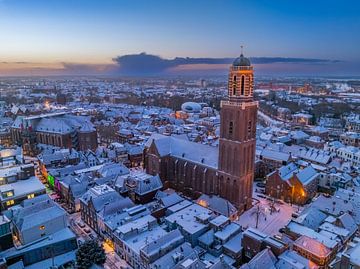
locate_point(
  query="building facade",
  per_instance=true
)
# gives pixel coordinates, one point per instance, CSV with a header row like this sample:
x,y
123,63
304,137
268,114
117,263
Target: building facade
x,y
291,184
56,129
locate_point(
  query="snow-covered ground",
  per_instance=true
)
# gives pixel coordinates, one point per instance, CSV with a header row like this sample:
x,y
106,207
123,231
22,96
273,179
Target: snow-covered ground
x,y
268,222
114,261
270,121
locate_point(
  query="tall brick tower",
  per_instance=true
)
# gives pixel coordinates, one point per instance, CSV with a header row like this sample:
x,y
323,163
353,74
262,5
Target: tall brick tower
x,y
238,135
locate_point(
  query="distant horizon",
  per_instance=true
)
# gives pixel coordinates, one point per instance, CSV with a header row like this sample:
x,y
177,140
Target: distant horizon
x,y
144,64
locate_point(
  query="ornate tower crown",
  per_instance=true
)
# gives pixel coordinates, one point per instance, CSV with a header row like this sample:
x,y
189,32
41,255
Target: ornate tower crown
x,y
241,80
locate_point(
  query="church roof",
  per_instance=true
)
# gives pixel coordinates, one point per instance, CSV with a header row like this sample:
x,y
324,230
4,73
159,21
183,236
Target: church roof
x,y
191,151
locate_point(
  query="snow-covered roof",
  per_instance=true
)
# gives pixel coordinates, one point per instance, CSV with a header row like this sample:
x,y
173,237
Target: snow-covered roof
x,y
171,199
315,155
194,152
275,155
310,233
312,245
54,125
217,204
37,214
292,260
320,129
307,175
22,188
287,171
142,183
188,218
264,258
311,218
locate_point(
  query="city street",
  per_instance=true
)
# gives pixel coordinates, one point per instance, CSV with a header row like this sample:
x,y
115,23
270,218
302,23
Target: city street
x,y
114,261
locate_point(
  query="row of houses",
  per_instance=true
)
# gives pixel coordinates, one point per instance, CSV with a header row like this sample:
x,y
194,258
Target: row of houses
x,y
33,228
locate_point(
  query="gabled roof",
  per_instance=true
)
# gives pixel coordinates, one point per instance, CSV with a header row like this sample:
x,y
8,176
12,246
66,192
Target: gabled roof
x,y
54,125
171,199
78,189
170,239
347,222
313,245
311,218
291,260
103,200
287,171
217,204
307,175
116,207
113,169
275,155
315,155
264,259
299,135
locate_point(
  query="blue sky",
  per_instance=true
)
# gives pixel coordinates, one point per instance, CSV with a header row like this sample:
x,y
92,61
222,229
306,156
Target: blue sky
x,y
53,31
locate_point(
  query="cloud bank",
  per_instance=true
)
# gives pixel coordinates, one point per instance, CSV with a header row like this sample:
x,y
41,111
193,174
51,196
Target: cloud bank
x,y
147,64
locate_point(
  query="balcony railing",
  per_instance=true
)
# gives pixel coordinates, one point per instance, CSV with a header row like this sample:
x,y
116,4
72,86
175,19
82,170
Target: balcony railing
x,y
242,68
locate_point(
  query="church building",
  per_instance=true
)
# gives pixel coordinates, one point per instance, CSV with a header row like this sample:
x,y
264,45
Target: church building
x,y
227,171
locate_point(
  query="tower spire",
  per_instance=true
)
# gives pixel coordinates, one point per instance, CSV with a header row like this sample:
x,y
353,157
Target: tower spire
x,y
242,50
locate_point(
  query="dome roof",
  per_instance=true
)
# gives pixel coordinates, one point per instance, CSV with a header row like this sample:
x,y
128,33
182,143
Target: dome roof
x,y
191,107
241,61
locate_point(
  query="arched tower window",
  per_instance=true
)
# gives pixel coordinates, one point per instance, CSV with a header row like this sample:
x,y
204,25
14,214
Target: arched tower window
x,y
234,85
242,85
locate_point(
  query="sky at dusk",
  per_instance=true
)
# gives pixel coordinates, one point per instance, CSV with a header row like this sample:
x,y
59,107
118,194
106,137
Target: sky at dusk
x,y
76,36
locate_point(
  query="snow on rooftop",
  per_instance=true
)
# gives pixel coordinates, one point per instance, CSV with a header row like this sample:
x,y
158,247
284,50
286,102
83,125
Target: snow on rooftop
x,y
194,152
23,187
188,217
312,245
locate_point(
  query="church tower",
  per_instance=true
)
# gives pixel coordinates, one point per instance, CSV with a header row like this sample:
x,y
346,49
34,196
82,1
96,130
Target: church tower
x,y
238,136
